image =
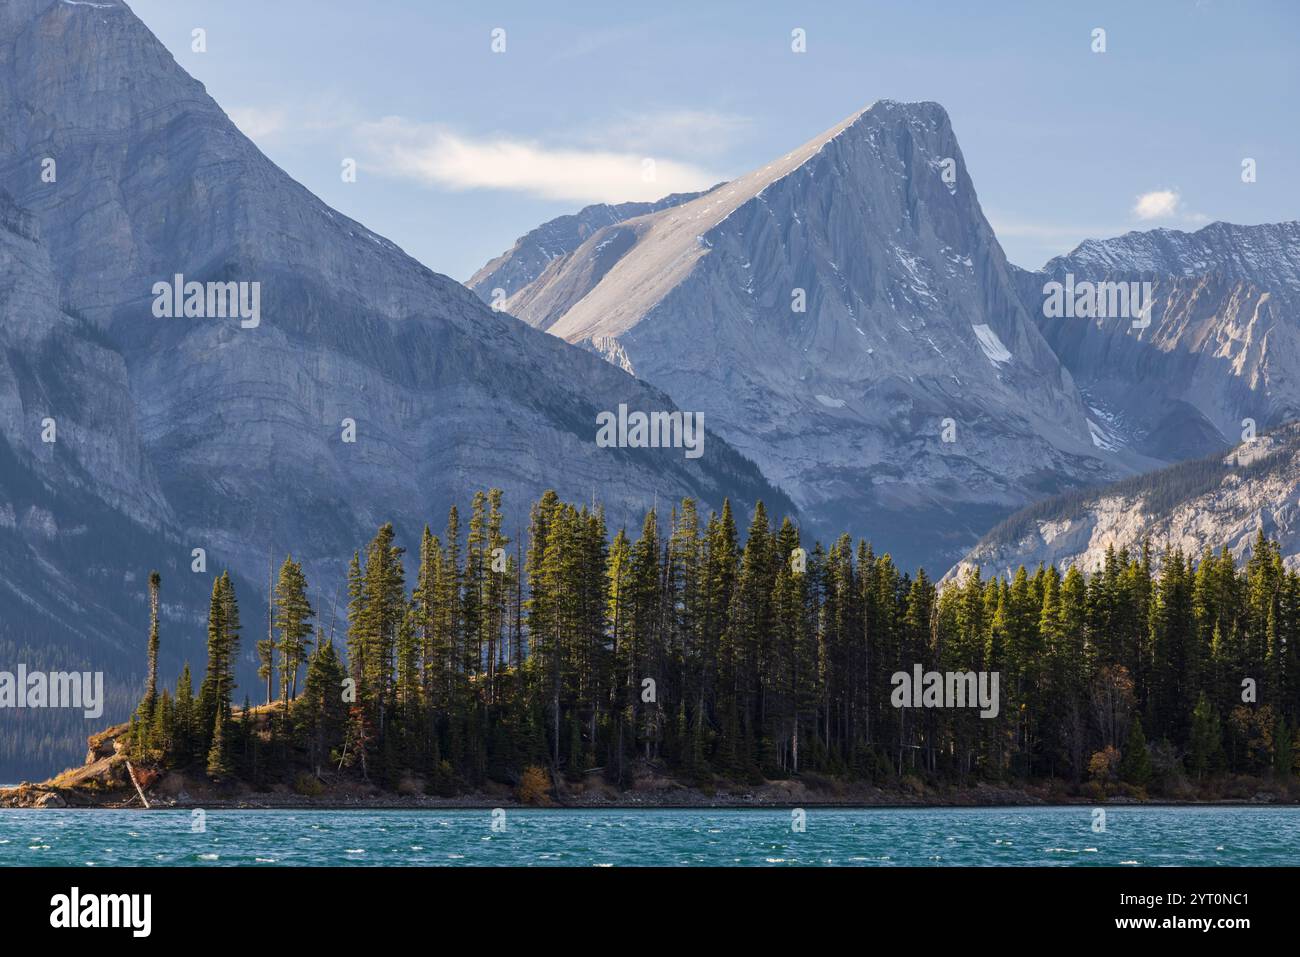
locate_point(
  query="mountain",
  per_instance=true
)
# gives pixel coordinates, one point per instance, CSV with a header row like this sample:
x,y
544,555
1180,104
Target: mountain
x,y
526,260
1213,364
227,434
835,315
1222,345
1215,502
1267,255
77,491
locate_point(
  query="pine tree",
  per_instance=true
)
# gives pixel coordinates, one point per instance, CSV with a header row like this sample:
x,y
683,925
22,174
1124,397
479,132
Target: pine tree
x,y
151,683
293,614
750,622
163,733
136,736
266,646
684,650
425,606
1206,739
361,713
223,649
266,665
1135,764
186,719
319,713
1283,757
219,762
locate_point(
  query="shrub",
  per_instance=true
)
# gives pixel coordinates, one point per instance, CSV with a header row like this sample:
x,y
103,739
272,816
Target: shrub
x,y
308,785
534,788
1103,765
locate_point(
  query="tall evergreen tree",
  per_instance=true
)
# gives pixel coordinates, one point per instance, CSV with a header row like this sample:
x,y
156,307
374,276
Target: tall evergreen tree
x,y
223,649
293,614
151,681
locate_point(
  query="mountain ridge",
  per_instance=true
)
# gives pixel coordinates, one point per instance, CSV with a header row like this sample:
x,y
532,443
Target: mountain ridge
x,y
1220,351
244,430
536,249
1239,251
912,320
1221,501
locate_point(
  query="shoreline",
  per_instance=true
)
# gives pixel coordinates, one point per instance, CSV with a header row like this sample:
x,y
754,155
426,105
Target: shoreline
x,y
664,807
38,797
107,780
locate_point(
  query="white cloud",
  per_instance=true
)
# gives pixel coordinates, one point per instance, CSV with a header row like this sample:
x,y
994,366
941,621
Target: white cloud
x,y
1157,204
440,156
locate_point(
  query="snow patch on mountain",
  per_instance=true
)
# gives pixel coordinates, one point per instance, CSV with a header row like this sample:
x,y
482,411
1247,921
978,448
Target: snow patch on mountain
x,y
993,348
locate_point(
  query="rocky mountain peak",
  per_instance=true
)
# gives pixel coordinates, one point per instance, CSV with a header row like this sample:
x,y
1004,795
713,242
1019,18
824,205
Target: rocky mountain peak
x,y
1217,352
370,388
1267,254
832,312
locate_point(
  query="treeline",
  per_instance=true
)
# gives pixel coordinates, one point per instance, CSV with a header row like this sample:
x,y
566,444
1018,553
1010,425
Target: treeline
x,y
586,653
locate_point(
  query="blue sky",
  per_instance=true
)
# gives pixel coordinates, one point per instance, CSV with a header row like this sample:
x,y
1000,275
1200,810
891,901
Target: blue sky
x,y
461,149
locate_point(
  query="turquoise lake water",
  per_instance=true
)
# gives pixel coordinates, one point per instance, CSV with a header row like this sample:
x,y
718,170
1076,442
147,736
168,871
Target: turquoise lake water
x,y
1223,836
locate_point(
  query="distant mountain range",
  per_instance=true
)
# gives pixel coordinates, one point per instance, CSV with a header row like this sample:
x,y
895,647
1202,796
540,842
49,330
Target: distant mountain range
x,y
180,433
917,329
864,357
1223,344
845,317
1221,501
1217,366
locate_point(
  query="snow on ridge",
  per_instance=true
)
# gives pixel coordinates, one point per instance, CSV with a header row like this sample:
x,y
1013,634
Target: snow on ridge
x,y
1100,438
993,348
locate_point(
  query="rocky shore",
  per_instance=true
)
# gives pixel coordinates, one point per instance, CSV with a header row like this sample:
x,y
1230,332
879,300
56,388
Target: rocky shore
x,y
108,780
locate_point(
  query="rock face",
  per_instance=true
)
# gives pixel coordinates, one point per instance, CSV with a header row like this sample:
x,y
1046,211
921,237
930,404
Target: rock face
x,y
180,433
78,492
54,356
835,315
1222,345
1216,502
530,256
1267,255
1216,360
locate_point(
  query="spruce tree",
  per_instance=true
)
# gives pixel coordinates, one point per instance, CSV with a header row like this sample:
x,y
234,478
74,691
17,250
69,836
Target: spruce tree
x,y
266,646
151,683
223,649
219,761
774,658
1283,758
185,722
319,713
1135,763
1206,739
266,665
293,614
